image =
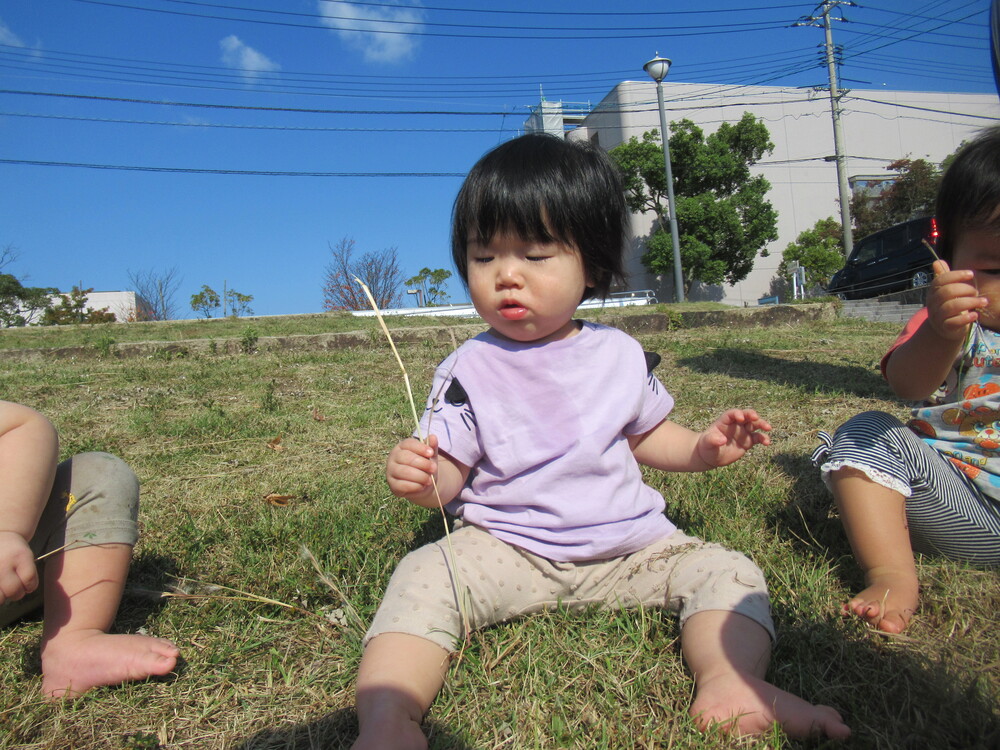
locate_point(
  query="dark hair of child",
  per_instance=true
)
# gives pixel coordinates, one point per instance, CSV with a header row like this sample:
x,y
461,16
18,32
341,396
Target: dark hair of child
x,y
969,195
543,188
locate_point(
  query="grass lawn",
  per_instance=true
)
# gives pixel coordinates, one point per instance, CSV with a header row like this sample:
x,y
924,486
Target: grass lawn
x,y
271,641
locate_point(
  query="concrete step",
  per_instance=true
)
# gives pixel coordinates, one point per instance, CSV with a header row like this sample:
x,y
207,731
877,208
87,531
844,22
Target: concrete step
x,y
882,311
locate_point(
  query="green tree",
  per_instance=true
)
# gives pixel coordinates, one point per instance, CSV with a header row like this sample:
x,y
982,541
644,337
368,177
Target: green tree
x,y
818,250
18,303
723,217
72,309
239,304
206,301
431,283
911,193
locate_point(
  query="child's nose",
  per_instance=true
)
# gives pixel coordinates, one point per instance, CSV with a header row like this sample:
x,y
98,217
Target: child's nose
x,y
508,274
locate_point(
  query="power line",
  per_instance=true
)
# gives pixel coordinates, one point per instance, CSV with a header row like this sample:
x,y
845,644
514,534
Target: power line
x,y
296,128
252,108
604,33
240,172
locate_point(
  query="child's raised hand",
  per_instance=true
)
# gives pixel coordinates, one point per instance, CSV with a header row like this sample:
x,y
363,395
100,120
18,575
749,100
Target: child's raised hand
x,y
411,465
952,301
731,436
18,574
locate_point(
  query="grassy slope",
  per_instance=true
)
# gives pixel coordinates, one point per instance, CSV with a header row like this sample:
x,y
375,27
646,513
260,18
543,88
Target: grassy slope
x,y
202,430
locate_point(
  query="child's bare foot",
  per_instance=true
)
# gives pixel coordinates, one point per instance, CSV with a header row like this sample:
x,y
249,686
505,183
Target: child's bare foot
x,y
73,663
744,704
888,602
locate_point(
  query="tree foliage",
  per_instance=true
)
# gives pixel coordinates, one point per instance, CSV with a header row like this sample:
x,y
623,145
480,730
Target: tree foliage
x,y
206,301
233,304
18,303
72,309
378,270
157,290
431,283
910,194
818,250
723,217
238,304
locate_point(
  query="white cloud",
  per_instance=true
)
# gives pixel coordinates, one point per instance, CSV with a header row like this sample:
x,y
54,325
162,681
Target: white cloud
x,y
8,37
365,29
245,59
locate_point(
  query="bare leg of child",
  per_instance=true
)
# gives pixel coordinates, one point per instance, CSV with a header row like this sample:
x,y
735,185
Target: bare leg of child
x,y
728,655
399,677
874,519
83,588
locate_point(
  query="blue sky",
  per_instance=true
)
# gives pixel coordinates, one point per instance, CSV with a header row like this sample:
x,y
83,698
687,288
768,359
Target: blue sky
x,y
237,140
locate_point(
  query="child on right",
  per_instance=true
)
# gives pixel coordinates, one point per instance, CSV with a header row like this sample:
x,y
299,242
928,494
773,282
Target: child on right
x,y
932,485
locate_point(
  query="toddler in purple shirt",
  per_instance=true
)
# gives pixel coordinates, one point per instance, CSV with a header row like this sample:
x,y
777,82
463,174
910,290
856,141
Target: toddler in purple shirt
x,y
535,433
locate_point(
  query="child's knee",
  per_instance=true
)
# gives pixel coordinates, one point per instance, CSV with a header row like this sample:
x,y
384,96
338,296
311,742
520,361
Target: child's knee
x,y
420,600
97,499
102,474
728,581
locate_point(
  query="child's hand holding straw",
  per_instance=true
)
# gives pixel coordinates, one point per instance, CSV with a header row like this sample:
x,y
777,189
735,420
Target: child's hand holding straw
x,y
953,301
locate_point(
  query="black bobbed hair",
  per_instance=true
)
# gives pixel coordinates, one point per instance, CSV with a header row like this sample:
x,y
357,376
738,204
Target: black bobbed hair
x,y
546,189
969,195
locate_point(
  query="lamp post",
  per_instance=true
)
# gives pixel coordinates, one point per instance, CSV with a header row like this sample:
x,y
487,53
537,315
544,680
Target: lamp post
x,y
657,69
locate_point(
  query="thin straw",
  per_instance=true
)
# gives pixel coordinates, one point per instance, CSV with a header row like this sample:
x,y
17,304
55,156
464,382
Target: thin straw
x,y
456,580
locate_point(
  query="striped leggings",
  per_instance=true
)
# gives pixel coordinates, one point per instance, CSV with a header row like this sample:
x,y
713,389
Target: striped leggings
x,y
946,513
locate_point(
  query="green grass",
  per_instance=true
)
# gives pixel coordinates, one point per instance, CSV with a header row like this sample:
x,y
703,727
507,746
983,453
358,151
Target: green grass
x,y
201,432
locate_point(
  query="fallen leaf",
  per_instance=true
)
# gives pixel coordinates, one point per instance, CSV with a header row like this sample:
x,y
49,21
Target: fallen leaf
x,y
317,416
279,500
275,444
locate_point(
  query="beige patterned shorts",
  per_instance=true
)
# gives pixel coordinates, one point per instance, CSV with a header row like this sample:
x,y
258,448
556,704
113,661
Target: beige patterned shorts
x,y
502,582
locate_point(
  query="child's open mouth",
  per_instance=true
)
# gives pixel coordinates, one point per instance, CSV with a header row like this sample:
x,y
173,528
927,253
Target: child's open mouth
x,y
513,310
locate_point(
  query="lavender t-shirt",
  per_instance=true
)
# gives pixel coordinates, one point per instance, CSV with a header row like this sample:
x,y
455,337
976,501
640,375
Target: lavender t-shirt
x,y
543,428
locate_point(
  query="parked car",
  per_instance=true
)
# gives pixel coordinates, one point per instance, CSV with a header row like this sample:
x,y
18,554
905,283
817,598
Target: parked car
x,y
899,257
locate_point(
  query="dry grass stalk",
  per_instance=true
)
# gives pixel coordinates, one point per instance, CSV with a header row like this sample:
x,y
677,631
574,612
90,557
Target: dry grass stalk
x,y
348,607
460,590
930,247
233,595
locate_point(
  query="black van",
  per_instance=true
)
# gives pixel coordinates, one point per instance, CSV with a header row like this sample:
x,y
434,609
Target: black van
x,y
887,261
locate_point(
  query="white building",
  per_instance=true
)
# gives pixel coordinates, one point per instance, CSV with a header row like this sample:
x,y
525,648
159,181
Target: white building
x,y
879,127
126,306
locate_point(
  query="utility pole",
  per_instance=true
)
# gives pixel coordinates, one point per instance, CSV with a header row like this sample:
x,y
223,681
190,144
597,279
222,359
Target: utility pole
x,y
838,131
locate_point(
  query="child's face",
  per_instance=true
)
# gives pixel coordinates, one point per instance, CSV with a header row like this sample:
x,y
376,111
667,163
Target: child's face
x,y
978,250
527,291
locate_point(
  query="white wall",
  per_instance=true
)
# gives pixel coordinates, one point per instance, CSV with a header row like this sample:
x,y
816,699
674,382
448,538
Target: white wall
x,y
879,127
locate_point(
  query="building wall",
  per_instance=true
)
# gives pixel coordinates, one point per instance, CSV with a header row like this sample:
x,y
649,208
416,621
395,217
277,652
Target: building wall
x,y
127,306
879,127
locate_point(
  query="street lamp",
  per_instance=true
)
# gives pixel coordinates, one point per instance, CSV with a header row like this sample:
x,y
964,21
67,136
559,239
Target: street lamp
x,y
420,296
657,69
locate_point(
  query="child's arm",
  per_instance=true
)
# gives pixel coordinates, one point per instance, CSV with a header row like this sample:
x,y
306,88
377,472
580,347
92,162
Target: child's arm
x,y
918,366
670,447
411,466
29,450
